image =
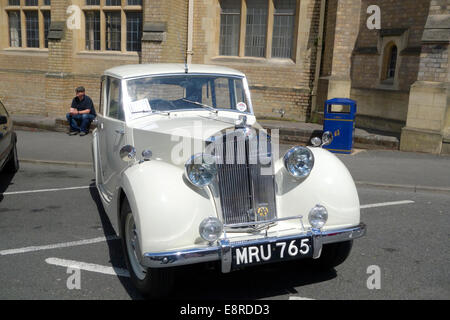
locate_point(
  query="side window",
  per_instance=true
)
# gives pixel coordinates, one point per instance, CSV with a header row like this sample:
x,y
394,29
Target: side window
x,y
240,92
115,96
103,98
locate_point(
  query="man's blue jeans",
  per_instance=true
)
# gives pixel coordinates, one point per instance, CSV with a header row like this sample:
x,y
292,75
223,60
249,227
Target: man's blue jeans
x,y
84,119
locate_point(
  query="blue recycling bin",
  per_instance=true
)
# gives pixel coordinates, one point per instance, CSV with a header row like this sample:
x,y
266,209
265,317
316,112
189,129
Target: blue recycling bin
x,y
339,119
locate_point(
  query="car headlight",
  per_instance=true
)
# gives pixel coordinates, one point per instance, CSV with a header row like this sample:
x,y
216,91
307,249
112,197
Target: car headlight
x,y
210,229
299,162
318,216
201,169
316,142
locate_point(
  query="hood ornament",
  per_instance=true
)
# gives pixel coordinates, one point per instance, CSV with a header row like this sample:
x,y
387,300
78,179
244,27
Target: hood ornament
x,y
241,122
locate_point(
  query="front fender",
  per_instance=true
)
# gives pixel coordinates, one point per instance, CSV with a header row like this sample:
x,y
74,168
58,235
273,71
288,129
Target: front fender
x,y
329,184
167,209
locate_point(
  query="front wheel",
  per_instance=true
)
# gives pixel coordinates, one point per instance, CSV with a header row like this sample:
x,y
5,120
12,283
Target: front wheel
x,y
333,254
152,283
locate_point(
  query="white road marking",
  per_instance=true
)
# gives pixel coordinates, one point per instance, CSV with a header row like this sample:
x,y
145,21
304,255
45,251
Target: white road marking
x,y
88,267
299,298
45,190
384,204
57,245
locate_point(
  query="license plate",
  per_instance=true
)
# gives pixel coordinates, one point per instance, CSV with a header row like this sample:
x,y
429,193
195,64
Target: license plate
x,y
272,252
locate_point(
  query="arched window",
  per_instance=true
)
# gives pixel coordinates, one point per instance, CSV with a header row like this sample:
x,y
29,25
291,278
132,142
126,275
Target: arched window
x,y
389,62
392,63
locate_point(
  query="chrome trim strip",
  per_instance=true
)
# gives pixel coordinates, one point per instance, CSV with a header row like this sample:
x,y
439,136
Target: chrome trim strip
x,y
334,236
249,224
225,255
222,251
179,258
317,243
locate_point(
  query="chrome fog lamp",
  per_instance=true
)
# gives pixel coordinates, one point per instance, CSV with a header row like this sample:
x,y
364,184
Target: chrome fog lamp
x,y
201,169
316,142
318,216
299,162
210,229
327,138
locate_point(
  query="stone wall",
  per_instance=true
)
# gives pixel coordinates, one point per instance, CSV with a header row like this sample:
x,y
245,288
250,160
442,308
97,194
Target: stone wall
x,y
428,121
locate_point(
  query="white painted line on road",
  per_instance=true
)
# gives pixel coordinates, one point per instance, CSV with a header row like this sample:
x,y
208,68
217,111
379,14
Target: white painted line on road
x,y
299,298
114,271
45,190
58,245
384,204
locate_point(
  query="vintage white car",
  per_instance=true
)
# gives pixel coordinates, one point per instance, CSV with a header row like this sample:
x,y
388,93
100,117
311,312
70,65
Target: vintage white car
x,y
188,176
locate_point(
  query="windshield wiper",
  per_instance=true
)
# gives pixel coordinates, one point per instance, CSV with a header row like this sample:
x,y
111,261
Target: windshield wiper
x,y
212,109
167,113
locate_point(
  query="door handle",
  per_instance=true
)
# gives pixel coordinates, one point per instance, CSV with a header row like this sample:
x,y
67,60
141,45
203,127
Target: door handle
x,y
120,131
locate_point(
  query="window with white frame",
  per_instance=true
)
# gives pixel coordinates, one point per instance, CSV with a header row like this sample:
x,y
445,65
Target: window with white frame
x,y
257,28
113,25
28,23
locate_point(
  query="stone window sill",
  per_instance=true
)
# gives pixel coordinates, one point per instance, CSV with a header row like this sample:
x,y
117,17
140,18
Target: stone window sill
x,y
107,54
254,60
26,51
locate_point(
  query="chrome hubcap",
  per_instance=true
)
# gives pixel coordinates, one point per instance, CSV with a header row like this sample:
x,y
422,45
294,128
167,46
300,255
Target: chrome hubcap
x,y
133,247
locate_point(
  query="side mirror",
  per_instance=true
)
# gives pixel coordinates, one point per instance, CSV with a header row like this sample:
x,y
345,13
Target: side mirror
x,y
3,119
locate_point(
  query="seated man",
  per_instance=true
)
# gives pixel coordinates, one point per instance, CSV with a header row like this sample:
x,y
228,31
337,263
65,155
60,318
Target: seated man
x,y
83,111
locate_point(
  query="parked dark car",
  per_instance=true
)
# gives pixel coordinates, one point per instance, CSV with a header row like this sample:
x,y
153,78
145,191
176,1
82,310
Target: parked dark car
x,y
9,161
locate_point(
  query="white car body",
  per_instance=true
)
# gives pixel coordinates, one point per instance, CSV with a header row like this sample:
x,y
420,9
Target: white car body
x,y
167,209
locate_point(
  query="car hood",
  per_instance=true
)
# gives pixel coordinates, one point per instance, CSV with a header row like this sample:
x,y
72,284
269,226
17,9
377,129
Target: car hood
x,y
165,136
199,126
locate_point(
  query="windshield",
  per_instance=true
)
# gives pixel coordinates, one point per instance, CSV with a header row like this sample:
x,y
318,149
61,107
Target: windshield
x,y
181,92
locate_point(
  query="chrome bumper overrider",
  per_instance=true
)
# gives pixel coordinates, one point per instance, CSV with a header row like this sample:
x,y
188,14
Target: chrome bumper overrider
x,y
222,251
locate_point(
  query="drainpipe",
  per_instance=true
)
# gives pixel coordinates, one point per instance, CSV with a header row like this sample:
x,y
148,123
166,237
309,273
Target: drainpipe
x,y
318,59
189,51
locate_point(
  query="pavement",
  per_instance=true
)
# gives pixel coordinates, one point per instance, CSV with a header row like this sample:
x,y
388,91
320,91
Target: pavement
x,y
290,131
384,168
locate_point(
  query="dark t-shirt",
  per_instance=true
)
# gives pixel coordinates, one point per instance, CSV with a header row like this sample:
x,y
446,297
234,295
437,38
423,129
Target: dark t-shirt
x,y
84,104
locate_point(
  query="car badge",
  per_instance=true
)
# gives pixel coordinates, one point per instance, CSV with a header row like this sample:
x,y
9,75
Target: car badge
x,y
262,211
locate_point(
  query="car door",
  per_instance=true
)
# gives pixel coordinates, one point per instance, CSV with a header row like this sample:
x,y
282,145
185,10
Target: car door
x,y
5,135
112,137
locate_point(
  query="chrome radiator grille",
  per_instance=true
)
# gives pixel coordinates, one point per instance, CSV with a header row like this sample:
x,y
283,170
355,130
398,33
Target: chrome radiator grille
x,y
246,195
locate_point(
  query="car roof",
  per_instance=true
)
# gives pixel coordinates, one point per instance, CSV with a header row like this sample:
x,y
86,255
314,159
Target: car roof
x,y
140,70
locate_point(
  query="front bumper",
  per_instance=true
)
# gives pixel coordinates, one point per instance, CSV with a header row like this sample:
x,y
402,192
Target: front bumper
x,y
222,251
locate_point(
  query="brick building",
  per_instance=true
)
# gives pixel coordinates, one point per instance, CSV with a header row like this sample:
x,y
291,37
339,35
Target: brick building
x,y
296,54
